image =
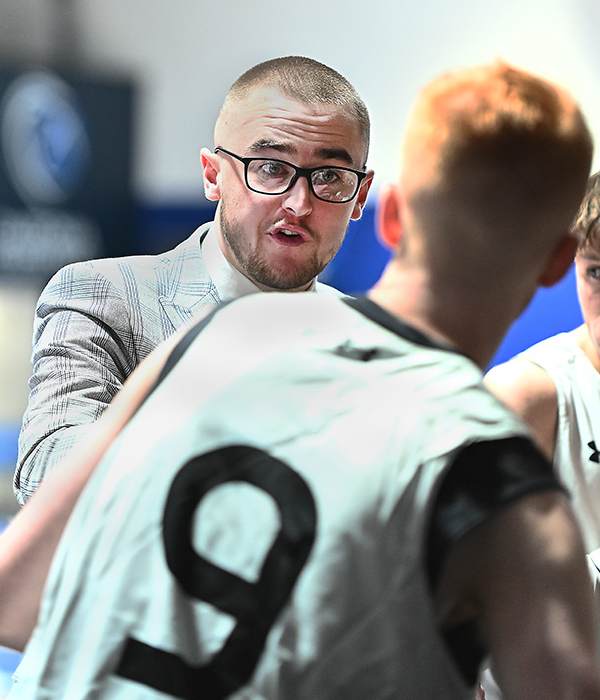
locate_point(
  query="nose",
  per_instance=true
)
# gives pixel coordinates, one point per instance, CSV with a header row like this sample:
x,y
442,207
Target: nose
x,y
297,200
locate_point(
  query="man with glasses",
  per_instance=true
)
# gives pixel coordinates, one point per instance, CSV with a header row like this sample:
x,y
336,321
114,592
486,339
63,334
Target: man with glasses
x,y
288,173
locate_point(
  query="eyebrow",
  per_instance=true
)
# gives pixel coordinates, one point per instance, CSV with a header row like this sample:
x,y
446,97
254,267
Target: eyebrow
x,y
269,145
335,154
288,149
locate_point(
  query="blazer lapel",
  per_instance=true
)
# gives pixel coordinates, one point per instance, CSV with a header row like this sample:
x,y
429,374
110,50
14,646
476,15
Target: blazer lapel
x,y
189,288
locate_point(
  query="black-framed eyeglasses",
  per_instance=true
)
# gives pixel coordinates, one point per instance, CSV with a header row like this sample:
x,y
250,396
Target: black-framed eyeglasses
x,y
273,176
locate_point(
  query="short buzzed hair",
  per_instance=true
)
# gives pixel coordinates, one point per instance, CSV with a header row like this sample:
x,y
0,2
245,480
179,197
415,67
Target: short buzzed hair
x,y
586,226
308,81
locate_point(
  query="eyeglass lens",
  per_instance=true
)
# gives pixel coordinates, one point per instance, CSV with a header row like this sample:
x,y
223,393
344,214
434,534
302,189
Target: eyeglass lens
x,y
330,184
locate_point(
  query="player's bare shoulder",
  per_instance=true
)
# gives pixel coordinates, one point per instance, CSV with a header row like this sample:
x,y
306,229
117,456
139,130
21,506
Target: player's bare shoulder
x,y
522,385
528,390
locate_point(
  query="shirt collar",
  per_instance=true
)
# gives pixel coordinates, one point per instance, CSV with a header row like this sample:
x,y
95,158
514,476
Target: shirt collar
x,y
230,283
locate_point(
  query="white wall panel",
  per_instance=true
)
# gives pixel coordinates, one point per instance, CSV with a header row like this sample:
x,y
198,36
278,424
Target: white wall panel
x,y
185,53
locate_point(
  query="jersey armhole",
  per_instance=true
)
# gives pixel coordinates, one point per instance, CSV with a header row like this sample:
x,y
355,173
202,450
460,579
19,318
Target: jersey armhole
x,y
180,349
481,478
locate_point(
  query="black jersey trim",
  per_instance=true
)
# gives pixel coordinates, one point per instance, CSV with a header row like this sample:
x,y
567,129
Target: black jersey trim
x,y
392,323
467,649
203,236
482,478
180,349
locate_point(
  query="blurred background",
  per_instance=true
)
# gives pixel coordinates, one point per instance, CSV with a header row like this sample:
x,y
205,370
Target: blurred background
x,y
104,107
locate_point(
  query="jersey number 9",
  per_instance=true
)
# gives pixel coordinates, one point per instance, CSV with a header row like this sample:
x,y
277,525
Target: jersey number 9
x,y
255,606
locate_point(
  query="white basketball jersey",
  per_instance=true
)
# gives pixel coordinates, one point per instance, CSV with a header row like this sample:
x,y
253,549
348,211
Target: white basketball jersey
x,y
576,453
257,530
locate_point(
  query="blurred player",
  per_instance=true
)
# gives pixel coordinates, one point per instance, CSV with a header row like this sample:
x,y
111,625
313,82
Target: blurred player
x,y
555,385
318,498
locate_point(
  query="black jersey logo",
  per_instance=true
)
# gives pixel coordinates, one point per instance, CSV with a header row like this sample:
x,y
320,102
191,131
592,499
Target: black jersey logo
x,y
595,456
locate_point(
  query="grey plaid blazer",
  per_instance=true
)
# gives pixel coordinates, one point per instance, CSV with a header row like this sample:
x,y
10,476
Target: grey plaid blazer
x,y
94,323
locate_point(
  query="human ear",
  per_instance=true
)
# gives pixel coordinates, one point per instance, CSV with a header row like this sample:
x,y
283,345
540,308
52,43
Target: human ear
x,y
389,216
210,175
559,261
363,191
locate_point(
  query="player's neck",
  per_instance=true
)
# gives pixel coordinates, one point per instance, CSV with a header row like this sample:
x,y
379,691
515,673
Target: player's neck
x,y
448,314
582,338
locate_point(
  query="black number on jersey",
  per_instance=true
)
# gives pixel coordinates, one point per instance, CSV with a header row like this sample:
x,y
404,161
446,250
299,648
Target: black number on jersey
x,y
255,606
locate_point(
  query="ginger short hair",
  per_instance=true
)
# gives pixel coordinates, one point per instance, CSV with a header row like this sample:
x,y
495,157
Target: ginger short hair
x,y
496,144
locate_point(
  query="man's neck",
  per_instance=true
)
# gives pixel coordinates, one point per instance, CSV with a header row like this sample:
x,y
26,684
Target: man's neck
x,y
451,315
582,338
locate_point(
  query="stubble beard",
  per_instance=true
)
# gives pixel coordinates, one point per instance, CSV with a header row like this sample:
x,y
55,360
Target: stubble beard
x,y
259,270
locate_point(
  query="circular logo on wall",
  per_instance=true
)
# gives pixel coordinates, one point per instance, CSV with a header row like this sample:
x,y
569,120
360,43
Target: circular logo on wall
x,y
44,142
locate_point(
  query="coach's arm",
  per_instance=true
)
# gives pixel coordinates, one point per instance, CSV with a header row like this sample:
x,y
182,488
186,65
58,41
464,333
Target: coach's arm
x,y
83,350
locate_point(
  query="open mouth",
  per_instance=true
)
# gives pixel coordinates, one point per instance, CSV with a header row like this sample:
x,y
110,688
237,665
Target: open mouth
x,y
287,237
